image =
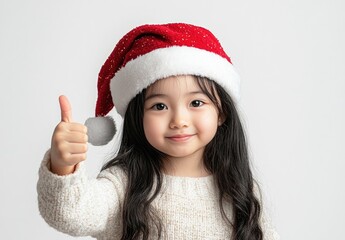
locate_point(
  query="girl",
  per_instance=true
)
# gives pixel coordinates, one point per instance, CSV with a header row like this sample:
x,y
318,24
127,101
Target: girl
x,y
182,169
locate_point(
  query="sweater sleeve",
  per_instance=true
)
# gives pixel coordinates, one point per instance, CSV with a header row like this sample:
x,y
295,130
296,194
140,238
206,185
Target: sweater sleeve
x,y
268,230
75,205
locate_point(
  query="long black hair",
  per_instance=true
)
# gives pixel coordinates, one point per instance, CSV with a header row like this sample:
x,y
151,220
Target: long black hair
x,y
226,157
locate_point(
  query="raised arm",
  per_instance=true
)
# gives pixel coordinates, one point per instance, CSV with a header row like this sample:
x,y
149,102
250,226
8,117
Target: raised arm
x,y
69,201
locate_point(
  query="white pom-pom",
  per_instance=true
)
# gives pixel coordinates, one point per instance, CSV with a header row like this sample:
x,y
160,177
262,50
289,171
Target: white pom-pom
x,y
100,130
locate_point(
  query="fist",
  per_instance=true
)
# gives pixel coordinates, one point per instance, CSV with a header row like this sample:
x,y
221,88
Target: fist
x,y
69,142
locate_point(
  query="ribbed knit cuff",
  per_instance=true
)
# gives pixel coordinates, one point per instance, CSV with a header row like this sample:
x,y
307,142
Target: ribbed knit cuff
x,y
50,180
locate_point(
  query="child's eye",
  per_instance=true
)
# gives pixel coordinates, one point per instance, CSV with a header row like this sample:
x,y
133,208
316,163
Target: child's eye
x,y
159,106
196,103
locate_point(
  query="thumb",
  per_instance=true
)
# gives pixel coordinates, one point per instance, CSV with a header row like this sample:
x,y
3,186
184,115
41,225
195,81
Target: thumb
x,y
66,110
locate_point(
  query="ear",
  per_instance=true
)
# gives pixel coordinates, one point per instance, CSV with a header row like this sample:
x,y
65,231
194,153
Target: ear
x,y
100,130
221,120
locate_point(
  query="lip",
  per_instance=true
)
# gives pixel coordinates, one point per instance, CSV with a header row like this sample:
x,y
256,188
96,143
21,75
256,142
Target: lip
x,y
180,137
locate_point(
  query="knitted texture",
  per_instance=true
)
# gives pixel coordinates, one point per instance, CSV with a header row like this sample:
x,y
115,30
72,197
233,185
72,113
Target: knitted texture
x,y
187,207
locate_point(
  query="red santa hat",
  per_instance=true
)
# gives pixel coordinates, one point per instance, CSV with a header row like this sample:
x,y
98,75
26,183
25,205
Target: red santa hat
x,y
156,51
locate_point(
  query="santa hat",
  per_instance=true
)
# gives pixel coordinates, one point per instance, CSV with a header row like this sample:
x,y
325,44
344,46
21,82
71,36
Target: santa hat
x,y
152,52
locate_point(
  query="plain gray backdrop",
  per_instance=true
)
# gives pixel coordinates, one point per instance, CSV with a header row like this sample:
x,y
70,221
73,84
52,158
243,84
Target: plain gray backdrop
x,y
290,55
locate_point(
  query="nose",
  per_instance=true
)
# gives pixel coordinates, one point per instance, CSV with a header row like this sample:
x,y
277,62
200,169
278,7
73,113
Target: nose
x,y
179,119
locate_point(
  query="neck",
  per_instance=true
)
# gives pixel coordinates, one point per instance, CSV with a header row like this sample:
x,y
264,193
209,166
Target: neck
x,y
191,166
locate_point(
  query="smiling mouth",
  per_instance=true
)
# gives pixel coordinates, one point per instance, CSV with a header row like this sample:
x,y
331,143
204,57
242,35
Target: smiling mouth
x,y
180,138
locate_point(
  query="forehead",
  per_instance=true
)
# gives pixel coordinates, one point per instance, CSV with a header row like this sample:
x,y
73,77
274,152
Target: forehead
x,y
183,82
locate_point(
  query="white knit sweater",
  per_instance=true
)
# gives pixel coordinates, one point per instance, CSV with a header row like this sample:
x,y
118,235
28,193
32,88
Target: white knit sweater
x,y
78,206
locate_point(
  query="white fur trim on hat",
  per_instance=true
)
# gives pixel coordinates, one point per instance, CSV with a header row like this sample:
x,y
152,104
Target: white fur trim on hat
x,y
165,62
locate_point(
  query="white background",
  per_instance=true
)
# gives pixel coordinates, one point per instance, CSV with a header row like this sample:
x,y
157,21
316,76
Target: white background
x,y
290,55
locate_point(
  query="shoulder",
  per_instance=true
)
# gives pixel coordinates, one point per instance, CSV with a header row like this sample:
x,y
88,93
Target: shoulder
x,y
116,175
268,228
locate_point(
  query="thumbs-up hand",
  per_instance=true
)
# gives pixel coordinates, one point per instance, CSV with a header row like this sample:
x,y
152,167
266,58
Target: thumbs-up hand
x,y
69,142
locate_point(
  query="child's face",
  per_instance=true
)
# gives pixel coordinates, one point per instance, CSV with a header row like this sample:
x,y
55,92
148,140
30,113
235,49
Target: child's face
x,y
179,119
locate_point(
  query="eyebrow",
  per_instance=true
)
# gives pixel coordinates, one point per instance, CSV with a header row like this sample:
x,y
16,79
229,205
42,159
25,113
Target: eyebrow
x,y
153,95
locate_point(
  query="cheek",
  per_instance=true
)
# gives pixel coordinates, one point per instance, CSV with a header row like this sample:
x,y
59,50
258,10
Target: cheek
x,y
208,125
153,129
